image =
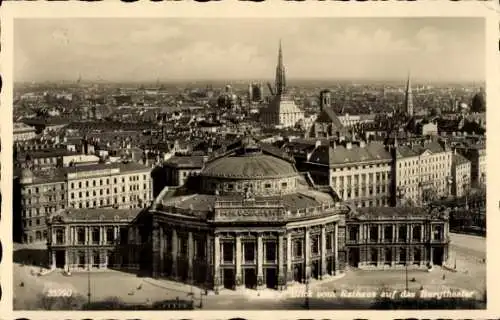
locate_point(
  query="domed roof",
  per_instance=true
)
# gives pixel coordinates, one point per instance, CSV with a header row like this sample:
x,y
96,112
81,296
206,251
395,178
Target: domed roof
x,y
253,166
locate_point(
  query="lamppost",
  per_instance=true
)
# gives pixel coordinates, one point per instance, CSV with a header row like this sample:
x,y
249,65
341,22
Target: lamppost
x,y
306,280
406,273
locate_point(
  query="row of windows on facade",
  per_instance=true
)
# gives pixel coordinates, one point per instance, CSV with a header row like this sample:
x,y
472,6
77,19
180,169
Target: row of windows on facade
x,y
402,258
37,200
39,236
107,202
35,212
94,236
231,187
425,172
47,188
95,259
270,249
365,166
134,187
429,160
355,192
101,181
387,233
371,203
52,160
355,179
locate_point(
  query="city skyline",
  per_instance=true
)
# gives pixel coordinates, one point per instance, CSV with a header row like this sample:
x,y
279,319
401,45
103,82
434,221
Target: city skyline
x,y
433,49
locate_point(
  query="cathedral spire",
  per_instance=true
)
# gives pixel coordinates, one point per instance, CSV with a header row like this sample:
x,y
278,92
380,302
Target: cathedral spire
x,y
409,97
280,73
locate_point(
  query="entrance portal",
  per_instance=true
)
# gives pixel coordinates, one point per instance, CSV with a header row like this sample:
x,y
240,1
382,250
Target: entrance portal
x,y
270,278
250,278
354,257
315,269
437,256
228,278
297,272
60,259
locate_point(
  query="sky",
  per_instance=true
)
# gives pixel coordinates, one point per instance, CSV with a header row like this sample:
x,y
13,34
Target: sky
x,y
132,49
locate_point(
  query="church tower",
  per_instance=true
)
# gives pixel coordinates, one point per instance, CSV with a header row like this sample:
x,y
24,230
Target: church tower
x,y
280,73
409,98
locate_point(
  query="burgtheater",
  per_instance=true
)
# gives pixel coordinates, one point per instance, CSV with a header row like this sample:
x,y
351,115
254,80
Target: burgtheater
x,y
249,219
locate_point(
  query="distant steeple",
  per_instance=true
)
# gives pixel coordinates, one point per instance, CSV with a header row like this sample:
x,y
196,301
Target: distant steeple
x,y
280,73
409,97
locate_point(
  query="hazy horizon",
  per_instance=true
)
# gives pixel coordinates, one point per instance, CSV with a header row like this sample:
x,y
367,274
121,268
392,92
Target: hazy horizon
x,y
132,50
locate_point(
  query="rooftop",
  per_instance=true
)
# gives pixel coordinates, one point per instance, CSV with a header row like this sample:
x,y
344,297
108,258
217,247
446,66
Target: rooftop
x,y
342,154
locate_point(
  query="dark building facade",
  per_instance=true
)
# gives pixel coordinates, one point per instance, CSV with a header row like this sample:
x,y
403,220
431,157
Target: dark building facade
x,y
397,236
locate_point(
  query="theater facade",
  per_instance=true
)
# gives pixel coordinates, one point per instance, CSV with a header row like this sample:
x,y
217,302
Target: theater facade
x,y
250,219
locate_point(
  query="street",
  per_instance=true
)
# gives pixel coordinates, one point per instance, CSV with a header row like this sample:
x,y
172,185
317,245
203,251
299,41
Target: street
x,y
468,250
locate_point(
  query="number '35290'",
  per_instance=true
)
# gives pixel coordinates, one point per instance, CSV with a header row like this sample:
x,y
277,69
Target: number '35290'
x,y
58,292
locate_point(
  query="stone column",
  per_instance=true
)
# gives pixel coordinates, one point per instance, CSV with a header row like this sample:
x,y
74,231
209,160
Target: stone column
x,y
190,255
87,235
323,252
336,249
105,234
281,262
217,278
238,279
156,249
289,258
53,262
422,236
117,234
408,233
307,257
162,250
66,259
67,235
209,259
260,262
395,233
174,253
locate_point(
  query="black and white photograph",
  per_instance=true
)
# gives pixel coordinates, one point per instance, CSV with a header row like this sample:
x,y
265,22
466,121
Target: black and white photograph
x,y
197,163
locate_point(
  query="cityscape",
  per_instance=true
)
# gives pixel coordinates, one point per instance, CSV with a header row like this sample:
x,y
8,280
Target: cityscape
x,y
324,164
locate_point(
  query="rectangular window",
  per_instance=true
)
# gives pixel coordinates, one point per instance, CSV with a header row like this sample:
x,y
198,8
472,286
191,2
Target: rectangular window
x,y
329,241
270,251
315,244
96,236
249,249
227,248
402,233
417,233
353,233
297,248
200,248
110,235
373,233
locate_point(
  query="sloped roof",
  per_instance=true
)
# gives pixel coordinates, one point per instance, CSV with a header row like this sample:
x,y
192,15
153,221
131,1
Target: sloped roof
x,y
328,115
341,155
